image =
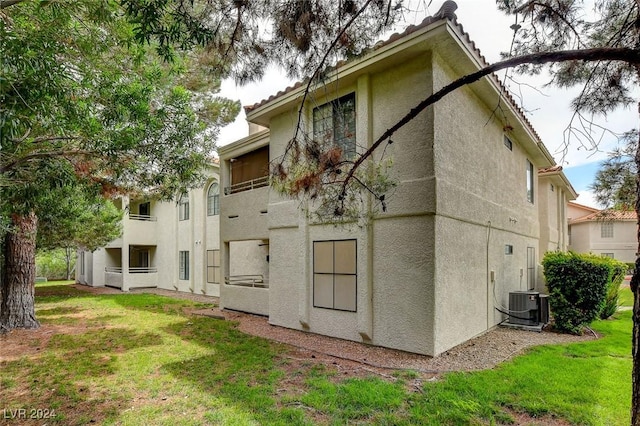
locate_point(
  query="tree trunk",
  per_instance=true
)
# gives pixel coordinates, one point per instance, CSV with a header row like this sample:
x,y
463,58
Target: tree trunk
x,y
635,288
17,307
67,259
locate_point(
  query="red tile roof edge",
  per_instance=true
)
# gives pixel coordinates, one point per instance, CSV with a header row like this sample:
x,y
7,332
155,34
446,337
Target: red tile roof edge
x,y
609,214
397,36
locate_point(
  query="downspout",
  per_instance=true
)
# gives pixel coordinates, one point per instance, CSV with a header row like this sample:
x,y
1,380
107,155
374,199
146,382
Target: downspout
x,y
365,322
489,277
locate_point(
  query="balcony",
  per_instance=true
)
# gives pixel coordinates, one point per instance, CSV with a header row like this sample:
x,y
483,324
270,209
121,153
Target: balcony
x,y
247,281
143,217
138,277
140,229
247,185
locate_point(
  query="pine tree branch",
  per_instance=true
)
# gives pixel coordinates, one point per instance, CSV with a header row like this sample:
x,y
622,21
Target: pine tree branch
x,y
628,55
6,3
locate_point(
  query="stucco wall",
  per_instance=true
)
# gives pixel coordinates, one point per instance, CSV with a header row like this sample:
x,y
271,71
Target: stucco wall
x,y
481,192
393,93
167,251
403,294
246,299
581,237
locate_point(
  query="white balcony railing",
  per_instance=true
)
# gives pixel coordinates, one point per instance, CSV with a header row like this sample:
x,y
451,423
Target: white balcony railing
x,y
132,270
143,217
247,186
145,270
246,281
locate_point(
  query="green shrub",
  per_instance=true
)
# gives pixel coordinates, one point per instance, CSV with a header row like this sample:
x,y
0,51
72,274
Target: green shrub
x,y
617,271
577,288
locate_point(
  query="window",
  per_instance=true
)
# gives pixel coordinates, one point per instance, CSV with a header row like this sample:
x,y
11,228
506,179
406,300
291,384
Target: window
x,y
606,230
213,200
609,255
335,123
183,207
213,266
508,143
184,265
144,209
508,249
530,177
334,275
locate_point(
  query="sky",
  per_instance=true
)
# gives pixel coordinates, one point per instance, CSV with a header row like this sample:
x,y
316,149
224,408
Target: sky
x,y
547,108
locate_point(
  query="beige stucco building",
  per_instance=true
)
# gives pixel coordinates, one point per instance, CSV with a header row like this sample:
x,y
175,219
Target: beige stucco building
x,y
171,245
478,201
605,232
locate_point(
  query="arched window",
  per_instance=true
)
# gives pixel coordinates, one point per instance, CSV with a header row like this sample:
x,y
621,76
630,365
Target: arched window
x,y
213,200
183,207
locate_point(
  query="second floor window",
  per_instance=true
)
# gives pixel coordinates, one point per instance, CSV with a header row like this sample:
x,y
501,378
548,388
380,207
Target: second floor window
x,y
213,200
334,123
183,207
606,230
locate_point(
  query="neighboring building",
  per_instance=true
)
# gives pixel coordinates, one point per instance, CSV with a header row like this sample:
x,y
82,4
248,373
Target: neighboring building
x,y
478,201
555,191
609,233
172,245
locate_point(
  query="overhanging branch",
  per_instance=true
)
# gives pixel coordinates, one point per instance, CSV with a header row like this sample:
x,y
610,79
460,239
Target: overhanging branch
x,y
7,3
631,56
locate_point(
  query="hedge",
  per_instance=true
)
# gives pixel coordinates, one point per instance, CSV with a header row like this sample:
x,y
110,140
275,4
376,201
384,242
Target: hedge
x,y
579,285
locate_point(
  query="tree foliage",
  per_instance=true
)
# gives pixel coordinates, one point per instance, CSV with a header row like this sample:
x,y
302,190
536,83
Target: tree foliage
x,y
86,114
77,91
556,25
242,37
615,182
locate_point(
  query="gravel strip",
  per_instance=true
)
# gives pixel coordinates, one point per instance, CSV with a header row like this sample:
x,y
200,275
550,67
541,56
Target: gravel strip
x,y
483,352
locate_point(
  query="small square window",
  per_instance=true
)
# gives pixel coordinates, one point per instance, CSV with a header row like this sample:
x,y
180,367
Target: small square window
x,y
508,249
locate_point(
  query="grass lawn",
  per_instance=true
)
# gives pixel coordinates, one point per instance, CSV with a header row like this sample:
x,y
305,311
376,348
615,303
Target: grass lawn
x,y
138,359
626,297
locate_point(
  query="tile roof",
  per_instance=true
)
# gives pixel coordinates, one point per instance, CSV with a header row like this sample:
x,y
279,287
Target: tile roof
x,y
556,168
609,214
409,30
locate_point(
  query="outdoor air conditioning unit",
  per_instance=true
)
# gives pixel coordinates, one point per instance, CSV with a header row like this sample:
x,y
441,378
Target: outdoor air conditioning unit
x,y
528,308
